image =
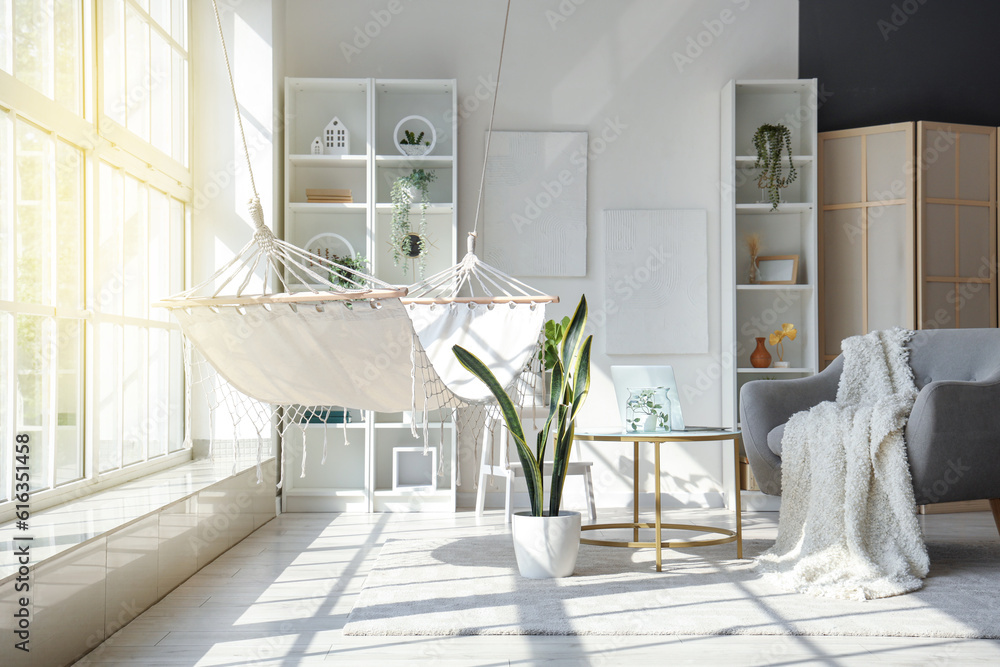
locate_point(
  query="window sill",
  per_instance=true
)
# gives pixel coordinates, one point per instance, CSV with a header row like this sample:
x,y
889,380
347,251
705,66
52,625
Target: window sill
x,y
65,493
87,517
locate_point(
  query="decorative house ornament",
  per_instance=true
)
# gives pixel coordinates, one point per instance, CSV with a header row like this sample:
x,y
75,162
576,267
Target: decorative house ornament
x,y
317,147
336,138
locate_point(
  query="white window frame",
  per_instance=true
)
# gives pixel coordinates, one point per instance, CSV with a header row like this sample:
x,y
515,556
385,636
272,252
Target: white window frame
x,y
100,139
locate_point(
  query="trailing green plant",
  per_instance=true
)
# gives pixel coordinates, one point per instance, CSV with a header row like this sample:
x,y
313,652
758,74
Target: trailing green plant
x,y
553,331
348,279
569,389
769,140
410,139
400,230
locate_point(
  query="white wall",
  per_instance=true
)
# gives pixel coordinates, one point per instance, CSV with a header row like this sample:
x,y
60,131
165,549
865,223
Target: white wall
x,y
581,65
220,221
653,68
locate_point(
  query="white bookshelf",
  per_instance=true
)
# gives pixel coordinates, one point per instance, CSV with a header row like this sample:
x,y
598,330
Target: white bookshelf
x,y
357,476
749,311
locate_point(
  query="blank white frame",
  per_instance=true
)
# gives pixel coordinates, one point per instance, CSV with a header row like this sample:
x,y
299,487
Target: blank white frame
x,y
408,466
656,281
535,203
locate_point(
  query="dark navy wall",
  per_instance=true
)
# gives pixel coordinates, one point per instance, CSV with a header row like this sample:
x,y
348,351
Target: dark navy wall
x,y
883,61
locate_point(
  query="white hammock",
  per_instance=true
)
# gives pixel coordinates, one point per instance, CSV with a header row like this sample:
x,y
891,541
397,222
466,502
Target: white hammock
x,y
359,346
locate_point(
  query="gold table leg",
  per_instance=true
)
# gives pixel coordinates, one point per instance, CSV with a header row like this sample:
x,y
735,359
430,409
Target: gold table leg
x,y
635,490
739,502
659,538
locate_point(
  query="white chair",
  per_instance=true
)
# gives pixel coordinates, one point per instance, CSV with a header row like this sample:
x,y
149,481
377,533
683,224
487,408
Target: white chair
x,y
512,470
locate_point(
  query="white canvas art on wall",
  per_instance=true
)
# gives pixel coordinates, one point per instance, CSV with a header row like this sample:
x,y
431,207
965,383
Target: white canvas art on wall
x,y
535,203
656,281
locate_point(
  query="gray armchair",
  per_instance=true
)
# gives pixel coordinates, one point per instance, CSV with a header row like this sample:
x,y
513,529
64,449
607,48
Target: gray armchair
x,y
953,434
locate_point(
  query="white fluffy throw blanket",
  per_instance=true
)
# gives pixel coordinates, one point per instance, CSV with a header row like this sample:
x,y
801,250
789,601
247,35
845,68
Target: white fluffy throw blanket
x,y
848,526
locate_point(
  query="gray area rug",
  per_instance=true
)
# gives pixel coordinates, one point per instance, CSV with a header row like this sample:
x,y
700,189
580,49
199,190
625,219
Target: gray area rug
x,y
470,586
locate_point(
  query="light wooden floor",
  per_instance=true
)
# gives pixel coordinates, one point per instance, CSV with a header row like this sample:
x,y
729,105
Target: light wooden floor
x,y
282,595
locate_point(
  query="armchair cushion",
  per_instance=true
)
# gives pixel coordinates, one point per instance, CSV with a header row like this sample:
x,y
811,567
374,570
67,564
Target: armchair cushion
x,y
774,437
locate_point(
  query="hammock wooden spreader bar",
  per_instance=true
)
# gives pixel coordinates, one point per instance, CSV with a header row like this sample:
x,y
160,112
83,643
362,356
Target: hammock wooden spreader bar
x,y
294,298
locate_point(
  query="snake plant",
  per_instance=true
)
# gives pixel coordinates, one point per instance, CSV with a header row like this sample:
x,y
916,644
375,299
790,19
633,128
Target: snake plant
x,y
570,386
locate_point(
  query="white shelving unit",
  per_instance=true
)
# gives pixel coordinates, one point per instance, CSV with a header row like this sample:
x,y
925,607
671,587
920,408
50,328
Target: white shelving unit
x,y
749,311
357,476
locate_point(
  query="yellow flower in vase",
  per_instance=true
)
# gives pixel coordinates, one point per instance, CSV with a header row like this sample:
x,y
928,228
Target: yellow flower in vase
x,y
777,340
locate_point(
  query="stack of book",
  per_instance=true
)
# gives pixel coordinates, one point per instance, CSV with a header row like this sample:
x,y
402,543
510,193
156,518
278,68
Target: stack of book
x,y
328,196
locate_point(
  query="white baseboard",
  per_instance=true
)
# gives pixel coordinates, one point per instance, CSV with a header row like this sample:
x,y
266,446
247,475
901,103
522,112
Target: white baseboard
x,y
757,501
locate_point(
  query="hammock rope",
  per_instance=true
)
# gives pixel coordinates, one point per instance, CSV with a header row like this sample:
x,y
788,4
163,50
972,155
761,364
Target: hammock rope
x,y
493,113
495,286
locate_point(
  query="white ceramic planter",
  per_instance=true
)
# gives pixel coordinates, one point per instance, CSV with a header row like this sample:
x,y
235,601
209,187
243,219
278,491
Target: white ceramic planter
x,y
415,150
546,546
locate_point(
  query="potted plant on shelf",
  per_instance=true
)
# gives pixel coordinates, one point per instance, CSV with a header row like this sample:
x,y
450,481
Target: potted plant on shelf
x,y
778,341
407,243
349,278
546,542
414,144
770,141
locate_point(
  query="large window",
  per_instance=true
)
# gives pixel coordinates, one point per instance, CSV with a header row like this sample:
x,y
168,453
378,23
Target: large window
x,y
94,201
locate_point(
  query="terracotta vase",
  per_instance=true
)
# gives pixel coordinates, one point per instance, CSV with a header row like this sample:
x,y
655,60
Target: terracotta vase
x,y
760,358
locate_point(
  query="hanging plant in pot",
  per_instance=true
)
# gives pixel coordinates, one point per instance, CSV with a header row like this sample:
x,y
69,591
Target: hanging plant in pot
x,y
546,543
770,141
406,242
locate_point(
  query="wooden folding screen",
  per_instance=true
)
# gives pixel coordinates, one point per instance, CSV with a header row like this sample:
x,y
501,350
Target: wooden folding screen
x,y
866,233
956,226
